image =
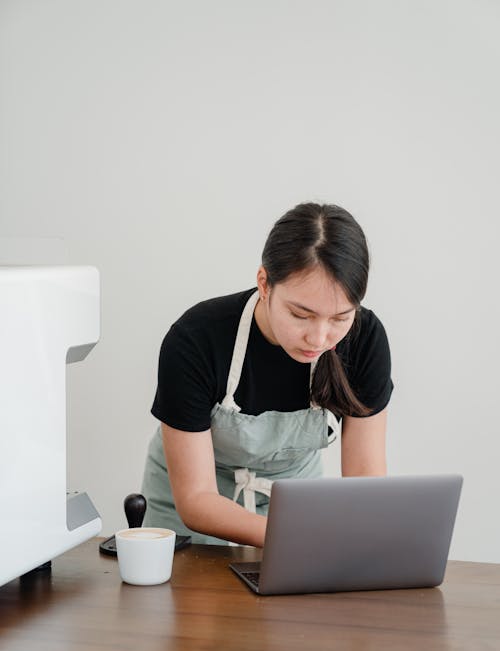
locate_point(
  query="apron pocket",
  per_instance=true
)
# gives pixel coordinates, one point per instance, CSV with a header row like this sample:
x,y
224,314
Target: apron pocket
x,y
288,459
291,453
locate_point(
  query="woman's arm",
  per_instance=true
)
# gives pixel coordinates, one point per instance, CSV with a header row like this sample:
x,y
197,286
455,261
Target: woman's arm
x,y
191,470
363,445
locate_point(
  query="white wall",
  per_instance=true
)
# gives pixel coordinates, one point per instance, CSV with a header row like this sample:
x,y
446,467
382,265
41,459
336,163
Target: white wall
x,y
160,140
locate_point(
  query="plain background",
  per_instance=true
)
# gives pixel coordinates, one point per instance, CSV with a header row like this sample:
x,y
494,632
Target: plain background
x,y
160,140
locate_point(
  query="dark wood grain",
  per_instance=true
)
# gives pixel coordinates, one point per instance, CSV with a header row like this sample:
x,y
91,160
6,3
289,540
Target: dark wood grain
x,y
82,605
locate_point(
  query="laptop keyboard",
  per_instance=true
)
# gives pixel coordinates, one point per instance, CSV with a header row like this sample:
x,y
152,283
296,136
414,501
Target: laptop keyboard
x,y
253,577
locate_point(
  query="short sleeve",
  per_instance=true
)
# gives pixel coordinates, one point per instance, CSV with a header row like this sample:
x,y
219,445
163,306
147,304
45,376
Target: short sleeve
x,y
369,365
185,391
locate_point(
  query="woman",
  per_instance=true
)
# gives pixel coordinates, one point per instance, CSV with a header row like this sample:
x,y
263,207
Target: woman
x,y
251,386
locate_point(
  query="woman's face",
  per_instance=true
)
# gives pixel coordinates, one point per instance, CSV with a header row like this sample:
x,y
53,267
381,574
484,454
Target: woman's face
x,y
306,314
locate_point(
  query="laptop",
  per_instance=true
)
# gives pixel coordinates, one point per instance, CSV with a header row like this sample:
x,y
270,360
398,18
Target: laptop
x,y
355,533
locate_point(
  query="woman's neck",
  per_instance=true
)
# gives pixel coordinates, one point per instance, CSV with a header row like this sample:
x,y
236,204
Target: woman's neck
x,y
263,323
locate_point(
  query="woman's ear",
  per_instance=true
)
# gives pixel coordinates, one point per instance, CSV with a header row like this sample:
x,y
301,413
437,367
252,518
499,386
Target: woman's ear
x,y
262,283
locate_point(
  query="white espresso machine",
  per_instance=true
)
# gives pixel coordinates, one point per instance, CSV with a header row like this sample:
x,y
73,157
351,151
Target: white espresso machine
x,y
49,317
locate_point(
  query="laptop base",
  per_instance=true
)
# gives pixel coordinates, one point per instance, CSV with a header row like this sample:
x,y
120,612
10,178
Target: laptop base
x,y
249,573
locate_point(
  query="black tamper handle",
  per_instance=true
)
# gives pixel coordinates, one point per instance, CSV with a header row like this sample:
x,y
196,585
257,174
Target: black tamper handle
x,y
135,508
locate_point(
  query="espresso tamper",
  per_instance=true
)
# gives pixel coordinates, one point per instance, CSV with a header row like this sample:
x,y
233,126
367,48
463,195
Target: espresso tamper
x,y
135,508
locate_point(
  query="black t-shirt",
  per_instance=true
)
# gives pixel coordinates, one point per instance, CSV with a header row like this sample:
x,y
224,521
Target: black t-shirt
x,y
196,354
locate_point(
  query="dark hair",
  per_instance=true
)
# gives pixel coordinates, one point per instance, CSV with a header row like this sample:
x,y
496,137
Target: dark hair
x,y
325,235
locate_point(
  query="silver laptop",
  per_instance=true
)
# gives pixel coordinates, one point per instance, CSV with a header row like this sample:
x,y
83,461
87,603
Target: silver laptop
x,y
355,533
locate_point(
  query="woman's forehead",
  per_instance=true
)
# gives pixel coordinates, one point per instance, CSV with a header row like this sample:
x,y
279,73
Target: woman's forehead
x,y
315,290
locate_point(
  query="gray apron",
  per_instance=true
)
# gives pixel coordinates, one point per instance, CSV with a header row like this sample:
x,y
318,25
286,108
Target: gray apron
x,y
250,451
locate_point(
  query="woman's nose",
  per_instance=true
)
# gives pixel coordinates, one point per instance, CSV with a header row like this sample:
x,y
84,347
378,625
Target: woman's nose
x,y
317,337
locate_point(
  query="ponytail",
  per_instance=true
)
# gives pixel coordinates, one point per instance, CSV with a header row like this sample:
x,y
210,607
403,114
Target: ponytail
x,y
330,387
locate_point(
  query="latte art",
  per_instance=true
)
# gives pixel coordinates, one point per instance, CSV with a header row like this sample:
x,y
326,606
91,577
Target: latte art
x,y
145,534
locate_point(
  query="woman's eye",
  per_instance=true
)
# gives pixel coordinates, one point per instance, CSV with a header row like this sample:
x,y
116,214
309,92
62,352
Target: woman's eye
x,y
304,318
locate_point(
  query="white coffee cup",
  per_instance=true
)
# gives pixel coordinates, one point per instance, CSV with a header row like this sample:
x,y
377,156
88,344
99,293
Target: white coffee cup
x,y
145,555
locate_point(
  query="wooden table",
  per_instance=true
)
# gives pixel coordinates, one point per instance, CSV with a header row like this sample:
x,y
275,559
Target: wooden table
x,y
82,605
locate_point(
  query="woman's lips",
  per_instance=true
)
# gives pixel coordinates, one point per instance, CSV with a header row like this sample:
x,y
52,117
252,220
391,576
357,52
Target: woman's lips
x,y
311,353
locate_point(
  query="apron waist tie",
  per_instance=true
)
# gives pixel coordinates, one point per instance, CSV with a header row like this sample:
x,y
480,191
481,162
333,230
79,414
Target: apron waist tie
x,y
249,483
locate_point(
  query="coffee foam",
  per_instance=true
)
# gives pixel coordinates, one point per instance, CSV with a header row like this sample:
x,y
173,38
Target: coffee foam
x,y
144,533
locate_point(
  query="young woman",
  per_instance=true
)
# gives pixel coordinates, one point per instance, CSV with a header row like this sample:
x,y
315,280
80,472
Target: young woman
x,y
253,385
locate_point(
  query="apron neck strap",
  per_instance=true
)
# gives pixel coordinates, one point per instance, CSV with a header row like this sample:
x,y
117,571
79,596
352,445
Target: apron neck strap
x,y
313,366
239,351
